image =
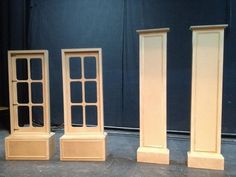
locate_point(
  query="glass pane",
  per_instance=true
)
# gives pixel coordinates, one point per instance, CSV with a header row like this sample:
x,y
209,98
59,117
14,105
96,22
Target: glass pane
x,y
36,68
90,67
21,69
76,92
37,116
37,92
75,67
23,116
22,92
91,116
91,92
77,116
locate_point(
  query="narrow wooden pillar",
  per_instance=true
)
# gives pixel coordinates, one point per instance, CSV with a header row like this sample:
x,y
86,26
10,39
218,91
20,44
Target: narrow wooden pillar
x,y
30,137
153,137
207,74
84,138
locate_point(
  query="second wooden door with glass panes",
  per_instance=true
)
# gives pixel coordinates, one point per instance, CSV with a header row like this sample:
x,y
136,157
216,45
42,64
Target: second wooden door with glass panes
x,y
82,84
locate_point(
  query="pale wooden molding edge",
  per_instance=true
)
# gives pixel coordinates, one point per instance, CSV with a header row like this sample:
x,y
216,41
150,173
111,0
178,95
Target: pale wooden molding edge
x,y
210,27
155,30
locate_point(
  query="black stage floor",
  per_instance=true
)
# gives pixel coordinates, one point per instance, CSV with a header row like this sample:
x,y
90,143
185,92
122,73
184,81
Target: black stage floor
x,y
121,161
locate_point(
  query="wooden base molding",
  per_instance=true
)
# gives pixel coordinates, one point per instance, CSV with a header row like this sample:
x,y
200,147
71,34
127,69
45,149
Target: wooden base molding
x,y
205,160
153,155
29,147
83,147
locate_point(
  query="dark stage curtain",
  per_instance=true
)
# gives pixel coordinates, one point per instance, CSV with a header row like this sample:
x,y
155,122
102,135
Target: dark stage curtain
x,y
111,25
4,43
13,35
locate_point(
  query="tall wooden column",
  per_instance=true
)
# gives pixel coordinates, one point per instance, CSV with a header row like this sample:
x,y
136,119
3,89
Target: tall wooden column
x,y
207,72
84,138
30,137
153,137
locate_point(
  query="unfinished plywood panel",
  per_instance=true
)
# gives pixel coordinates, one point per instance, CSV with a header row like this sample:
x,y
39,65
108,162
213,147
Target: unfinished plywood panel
x,y
207,71
84,138
153,143
30,137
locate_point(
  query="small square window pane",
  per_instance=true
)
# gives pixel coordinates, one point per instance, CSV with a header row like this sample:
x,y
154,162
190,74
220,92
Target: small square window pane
x,y
90,67
36,68
22,92
91,92
76,116
76,92
37,92
75,67
37,116
91,116
23,116
21,69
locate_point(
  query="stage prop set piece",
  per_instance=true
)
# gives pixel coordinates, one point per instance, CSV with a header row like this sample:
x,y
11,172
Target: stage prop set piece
x,y
30,137
153,137
84,138
207,76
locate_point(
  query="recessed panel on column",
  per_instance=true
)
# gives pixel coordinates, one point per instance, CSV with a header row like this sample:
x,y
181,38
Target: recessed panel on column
x,y
153,148
207,71
29,107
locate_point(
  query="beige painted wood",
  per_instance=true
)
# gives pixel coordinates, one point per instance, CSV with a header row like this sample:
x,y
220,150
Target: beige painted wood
x,y
85,147
84,143
29,142
207,74
30,146
153,137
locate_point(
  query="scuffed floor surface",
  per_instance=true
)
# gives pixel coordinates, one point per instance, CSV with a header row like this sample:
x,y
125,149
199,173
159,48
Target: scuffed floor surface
x,y
121,161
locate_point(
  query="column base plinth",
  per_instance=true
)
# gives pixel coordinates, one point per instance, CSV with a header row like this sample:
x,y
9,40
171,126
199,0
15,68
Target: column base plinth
x,y
153,155
203,160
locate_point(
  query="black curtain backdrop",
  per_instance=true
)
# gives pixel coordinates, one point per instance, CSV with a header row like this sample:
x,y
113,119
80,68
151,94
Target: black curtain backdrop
x,y
111,25
3,52
13,36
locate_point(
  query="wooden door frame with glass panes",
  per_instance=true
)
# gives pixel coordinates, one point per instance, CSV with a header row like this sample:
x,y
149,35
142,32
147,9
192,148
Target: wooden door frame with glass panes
x,y
84,138
30,137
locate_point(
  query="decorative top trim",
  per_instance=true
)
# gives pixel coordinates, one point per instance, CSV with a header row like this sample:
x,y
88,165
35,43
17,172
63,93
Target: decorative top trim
x,y
75,50
206,27
155,30
27,51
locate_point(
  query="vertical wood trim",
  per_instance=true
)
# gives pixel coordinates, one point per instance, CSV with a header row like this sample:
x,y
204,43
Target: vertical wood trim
x,y
140,88
83,91
46,89
65,90
100,93
11,95
219,82
164,79
162,35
